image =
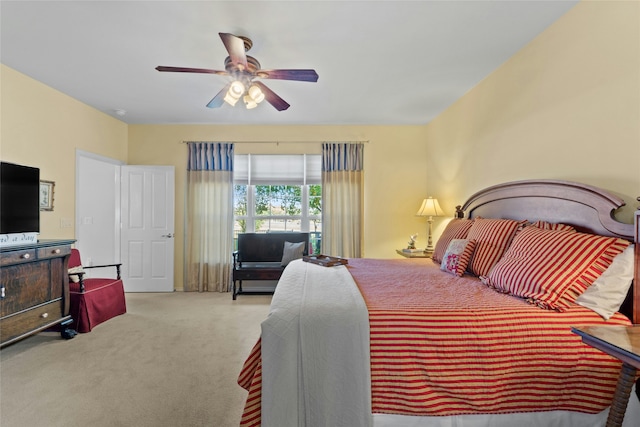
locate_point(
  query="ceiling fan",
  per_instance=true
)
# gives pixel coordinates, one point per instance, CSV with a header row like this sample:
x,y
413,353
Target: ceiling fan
x,y
244,70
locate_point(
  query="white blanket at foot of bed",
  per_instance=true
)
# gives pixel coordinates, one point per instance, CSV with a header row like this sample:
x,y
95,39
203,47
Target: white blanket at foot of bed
x,y
315,351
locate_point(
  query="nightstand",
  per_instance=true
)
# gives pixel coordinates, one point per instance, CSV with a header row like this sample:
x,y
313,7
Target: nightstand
x,y
623,343
420,254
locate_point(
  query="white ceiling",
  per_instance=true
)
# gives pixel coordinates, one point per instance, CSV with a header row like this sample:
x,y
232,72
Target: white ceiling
x,y
379,62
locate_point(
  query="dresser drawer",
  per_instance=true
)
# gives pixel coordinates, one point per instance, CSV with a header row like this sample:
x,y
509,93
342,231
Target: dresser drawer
x,y
15,257
36,318
26,285
53,251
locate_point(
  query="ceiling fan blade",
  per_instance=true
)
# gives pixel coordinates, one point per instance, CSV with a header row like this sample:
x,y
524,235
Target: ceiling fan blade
x,y
191,70
300,75
218,100
235,47
271,97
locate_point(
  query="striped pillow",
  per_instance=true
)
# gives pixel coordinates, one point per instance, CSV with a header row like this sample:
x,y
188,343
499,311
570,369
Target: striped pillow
x,y
551,268
492,238
457,256
552,226
456,229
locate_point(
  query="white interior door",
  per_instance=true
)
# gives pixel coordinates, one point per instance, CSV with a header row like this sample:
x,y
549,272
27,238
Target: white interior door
x,y
147,228
97,227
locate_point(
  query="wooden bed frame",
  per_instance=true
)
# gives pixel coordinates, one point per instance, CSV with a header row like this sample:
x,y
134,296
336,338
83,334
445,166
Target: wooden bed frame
x,y
588,209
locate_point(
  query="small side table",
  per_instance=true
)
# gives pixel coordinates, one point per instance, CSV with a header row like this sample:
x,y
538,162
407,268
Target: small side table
x,y
623,343
420,254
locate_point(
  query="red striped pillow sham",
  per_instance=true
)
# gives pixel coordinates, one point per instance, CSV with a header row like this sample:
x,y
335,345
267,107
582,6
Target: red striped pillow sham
x,y
552,226
456,229
492,238
551,268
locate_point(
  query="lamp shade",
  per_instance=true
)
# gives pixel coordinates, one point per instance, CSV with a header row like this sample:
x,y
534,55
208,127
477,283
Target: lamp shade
x,y
430,207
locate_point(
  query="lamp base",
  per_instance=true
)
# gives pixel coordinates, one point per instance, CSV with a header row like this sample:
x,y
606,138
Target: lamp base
x,y
429,248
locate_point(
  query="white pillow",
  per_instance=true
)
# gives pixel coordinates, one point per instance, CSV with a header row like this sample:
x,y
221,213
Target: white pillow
x,y
74,277
607,293
292,251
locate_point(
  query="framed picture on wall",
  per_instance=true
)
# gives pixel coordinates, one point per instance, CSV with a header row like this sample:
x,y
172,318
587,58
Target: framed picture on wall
x,y
46,195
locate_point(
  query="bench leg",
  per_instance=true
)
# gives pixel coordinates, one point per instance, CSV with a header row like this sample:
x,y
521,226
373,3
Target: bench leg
x,y
238,290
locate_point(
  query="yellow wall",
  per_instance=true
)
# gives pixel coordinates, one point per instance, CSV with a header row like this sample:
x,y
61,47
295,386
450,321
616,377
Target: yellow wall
x,y
395,178
567,107
42,127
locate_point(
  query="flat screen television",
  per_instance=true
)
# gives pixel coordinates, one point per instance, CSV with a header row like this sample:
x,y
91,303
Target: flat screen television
x,y
19,199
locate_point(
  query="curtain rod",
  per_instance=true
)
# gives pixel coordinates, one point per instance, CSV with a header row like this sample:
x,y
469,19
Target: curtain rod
x,y
284,142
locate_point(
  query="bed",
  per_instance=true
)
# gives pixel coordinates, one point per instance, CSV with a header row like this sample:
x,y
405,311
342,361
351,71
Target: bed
x,y
482,337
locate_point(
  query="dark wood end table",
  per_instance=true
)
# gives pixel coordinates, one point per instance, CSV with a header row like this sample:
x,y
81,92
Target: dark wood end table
x,y
623,343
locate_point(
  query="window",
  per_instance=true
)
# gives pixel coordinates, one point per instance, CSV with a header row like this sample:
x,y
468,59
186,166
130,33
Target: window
x,y
278,193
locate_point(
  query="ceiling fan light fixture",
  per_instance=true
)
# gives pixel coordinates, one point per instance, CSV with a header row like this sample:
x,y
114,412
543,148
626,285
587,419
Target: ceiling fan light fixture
x,y
237,89
256,94
230,99
249,102
234,93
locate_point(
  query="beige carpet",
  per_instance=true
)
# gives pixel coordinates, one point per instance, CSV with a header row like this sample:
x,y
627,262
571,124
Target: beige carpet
x,y
172,360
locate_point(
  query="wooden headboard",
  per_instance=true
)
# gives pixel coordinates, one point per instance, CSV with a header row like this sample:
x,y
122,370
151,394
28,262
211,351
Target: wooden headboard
x,y
587,208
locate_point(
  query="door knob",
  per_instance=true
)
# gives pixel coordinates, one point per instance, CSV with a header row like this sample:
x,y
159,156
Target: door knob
x,y
168,236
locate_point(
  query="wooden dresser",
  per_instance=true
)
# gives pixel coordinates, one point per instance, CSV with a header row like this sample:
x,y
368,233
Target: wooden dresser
x,y
34,289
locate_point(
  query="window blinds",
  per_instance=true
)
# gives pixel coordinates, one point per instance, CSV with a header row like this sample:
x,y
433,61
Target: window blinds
x,y
277,169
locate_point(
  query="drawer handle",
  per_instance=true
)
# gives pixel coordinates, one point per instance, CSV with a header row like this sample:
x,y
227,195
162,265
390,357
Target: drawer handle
x,y
44,315
25,256
56,251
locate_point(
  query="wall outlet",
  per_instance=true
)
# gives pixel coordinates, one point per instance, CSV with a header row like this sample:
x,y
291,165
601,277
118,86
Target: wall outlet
x,y
65,223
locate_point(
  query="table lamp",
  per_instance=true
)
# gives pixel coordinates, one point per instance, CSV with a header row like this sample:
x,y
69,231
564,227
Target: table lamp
x,y
430,208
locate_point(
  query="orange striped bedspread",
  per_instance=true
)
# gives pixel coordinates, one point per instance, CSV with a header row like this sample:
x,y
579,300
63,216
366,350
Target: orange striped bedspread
x,y
445,345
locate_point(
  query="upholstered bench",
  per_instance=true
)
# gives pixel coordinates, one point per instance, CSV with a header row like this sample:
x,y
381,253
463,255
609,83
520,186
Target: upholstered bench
x,y
263,256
